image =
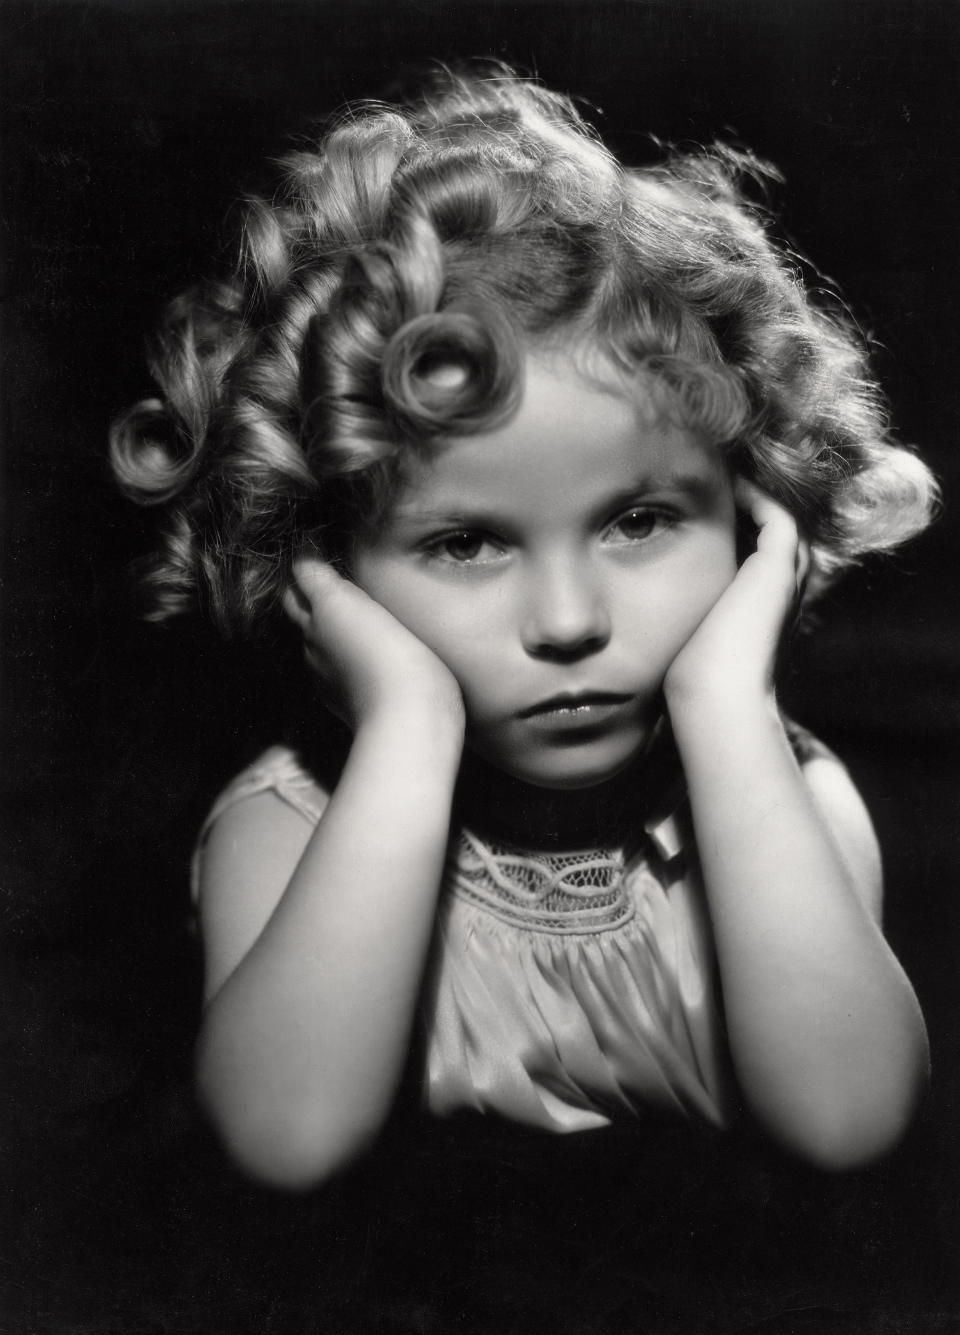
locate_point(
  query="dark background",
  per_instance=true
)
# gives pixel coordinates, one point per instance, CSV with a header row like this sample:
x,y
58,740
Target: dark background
x,y
128,130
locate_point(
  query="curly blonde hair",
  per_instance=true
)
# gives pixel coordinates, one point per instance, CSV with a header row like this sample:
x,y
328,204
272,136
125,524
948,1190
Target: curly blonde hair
x,y
482,220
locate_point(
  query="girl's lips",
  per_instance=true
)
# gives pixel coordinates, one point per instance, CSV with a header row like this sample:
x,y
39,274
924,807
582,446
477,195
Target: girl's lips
x,y
588,706
582,719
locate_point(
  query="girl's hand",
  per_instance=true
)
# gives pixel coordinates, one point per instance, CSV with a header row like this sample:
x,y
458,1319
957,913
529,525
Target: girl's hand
x,y
732,653
366,660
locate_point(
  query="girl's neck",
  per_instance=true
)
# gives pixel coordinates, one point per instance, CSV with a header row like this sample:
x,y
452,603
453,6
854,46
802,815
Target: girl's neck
x,y
506,810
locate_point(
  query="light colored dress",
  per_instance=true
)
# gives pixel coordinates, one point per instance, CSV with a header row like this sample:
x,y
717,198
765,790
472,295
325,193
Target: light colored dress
x,y
562,991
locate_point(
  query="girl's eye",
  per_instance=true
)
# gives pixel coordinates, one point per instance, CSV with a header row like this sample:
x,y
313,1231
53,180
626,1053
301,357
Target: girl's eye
x,y
639,525
464,548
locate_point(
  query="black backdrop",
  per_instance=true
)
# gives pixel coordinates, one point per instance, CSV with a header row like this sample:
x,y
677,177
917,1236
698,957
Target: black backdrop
x,y
128,130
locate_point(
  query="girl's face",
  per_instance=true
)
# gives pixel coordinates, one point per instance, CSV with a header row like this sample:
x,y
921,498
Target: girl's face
x,y
557,565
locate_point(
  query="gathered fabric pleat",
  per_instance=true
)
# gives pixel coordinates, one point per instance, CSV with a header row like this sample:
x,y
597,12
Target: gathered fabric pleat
x,y
567,1031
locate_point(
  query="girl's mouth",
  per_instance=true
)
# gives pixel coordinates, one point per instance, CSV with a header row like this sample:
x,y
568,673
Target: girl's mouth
x,y
587,707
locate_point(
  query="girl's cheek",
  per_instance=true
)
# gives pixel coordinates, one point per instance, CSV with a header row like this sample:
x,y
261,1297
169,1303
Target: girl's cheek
x,y
719,563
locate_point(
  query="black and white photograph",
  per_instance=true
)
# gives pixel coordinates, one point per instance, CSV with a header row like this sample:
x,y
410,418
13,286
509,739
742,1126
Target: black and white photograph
x,y
480,695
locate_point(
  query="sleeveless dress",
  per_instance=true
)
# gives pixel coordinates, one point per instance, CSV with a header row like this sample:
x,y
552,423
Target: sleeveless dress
x,y
563,991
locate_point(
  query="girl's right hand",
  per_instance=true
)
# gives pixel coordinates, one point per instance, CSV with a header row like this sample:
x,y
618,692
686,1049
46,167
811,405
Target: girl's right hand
x,y
366,660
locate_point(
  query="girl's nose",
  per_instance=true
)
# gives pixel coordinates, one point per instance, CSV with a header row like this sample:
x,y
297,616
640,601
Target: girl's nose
x,y
566,616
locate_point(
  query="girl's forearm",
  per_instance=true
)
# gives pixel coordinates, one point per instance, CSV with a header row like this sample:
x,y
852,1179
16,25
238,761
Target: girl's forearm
x,y
826,1035
302,1048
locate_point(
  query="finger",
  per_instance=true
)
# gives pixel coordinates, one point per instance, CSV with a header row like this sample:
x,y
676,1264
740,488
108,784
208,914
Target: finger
x,y
296,606
313,661
777,526
758,504
332,698
318,583
802,565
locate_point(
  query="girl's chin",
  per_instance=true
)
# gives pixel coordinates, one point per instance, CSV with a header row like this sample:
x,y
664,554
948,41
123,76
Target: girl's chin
x,y
571,782
571,769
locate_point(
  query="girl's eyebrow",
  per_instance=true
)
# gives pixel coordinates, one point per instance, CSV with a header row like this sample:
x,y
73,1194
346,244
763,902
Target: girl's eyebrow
x,y
438,517
699,488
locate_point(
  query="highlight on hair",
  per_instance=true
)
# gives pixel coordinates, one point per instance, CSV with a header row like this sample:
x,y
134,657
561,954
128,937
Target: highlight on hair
x,y
384,299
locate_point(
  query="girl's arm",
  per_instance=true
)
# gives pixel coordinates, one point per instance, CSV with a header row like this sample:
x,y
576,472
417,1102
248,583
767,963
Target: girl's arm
x,y
826,1035
316,940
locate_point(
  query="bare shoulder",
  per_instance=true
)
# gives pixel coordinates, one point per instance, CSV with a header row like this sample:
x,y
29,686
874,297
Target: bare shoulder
x,y
249,854
843,811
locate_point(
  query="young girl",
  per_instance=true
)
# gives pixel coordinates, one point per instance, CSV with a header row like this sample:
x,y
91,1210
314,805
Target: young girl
x,y
538,455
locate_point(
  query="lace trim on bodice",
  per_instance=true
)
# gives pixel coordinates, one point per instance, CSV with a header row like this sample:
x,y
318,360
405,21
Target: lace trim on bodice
x,y
560,893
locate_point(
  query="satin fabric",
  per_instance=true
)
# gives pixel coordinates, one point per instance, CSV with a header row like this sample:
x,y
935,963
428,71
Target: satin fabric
x,y
550,1026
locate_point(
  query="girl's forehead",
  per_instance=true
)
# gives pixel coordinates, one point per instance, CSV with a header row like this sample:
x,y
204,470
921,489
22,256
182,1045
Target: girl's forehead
x,y
582,428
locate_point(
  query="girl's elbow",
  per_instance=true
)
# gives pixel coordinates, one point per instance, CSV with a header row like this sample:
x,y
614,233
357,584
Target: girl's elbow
x,y
289,1162
845,1145
278,1144
842,1106
286,1152
854,1127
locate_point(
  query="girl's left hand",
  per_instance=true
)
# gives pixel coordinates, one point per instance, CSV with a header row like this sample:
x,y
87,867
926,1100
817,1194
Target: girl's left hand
x,y
734,649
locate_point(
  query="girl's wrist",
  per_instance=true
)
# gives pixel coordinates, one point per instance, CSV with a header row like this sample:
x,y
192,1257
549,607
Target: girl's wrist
x,y
428,726
721,693
707,713
431,701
